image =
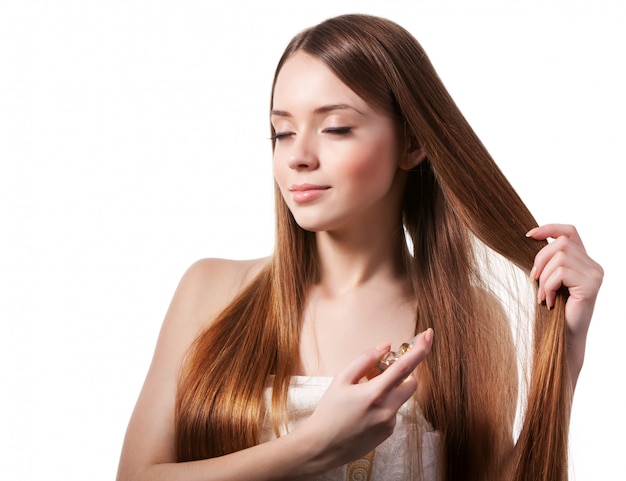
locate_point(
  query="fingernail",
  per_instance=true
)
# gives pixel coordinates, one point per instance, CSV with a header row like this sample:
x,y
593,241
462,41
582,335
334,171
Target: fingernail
x,y
531,231
533,273
428,335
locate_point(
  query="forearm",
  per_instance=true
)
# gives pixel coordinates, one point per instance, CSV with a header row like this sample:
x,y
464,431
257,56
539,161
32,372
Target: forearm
x,y
576,358
289,457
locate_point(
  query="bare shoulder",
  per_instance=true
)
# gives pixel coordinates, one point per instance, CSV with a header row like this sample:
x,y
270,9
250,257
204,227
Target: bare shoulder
x,y
205,289
209,285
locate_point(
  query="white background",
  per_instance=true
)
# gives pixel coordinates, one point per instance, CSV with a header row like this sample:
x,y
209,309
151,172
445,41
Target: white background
x,y
133,141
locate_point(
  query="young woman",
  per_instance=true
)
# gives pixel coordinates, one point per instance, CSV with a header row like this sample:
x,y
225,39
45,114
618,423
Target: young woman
x,y
390,213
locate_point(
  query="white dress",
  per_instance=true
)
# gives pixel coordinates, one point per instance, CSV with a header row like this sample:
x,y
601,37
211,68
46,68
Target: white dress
x,y
387,462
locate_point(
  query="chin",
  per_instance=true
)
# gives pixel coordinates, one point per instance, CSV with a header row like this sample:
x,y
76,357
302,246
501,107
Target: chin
x,y
309,227
312,225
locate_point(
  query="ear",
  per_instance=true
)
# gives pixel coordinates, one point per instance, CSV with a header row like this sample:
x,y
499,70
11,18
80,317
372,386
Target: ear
x,y
412,159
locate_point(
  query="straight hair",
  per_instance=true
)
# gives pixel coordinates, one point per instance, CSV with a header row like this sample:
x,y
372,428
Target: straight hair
x,y
454,200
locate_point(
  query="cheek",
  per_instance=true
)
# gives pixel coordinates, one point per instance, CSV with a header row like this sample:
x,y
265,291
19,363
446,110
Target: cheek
x,y
278,168
372,165
279,172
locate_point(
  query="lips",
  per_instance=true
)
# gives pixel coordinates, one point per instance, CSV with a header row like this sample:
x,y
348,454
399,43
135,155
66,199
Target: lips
x,y
302,193
305,187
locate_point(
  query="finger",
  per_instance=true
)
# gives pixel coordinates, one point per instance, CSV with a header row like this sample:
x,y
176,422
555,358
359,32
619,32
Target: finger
x,y
579,273
362,364
562,243
403,391
546,231
562,253
406,364
551,284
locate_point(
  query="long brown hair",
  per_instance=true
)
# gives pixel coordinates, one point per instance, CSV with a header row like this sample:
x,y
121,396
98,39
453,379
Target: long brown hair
x,y
455,198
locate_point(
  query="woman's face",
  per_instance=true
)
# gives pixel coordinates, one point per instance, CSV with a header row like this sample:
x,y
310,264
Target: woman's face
x,y
336,160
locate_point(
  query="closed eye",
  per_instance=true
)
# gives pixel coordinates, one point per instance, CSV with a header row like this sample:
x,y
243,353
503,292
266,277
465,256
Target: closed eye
x,y
281,135
337,130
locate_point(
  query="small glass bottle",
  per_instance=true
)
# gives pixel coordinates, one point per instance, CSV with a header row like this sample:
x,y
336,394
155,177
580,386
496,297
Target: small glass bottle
x,y
393,356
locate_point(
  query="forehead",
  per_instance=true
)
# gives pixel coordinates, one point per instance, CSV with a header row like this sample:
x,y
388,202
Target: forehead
x,y
306,82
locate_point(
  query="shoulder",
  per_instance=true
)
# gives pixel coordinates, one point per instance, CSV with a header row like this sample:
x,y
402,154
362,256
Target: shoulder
x,y
227,273
209,285
206,288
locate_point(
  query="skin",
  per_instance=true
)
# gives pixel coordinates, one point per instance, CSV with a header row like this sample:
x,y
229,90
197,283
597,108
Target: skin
x,y
360,299
352,152
565,262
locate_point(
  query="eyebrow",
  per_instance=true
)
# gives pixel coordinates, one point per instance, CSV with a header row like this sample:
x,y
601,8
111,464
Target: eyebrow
x,y
320,110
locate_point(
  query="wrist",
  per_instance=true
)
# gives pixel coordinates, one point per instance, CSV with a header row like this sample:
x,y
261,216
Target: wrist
x,y
309,442
576,356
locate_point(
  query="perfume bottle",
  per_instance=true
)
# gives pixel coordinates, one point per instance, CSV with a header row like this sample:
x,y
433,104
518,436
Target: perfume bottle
x,y
393,356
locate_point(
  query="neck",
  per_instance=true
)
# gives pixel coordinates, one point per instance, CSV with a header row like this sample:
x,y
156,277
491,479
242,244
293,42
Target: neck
x,y
350,259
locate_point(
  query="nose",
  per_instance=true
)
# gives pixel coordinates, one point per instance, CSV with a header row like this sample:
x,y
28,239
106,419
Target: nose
x,y
302,153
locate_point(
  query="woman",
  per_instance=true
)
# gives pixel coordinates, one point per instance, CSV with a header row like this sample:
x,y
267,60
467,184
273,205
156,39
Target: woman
x,y
388,206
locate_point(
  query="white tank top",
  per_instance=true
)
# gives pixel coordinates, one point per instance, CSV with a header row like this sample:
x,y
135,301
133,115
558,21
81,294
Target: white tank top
x,y
388,462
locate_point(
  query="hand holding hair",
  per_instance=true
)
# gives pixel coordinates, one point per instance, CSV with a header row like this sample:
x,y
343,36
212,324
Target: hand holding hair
x,y
565,262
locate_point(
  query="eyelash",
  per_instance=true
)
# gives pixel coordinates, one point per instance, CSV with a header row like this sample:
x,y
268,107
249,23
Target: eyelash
x,y
338,130
280,135
330,130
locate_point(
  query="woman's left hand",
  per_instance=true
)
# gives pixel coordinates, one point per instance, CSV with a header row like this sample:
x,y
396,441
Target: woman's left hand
x,y
565,262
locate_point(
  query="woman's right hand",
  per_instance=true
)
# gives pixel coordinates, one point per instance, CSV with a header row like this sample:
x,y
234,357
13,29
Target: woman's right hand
x,y
350,420
355,416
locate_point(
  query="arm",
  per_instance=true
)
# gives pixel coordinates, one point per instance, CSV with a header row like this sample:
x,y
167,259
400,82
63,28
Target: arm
x,y
149,450
564,262
351,419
